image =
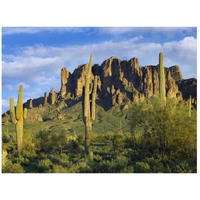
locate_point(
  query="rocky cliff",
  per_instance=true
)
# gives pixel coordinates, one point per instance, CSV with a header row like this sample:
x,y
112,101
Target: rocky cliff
x,y
122,81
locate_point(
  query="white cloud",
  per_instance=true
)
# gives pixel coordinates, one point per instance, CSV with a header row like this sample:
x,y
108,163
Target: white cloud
x,y
100,30
139,30
5,105
185,49
32,30
183,53
16,87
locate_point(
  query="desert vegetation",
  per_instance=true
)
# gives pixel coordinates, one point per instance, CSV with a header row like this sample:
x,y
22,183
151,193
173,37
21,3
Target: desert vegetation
x,y
161,139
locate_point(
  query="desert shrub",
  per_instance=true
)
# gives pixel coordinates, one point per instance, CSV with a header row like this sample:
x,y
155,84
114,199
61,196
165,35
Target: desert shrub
x,y
6,138
59,169
118,142
9,167
44,165
142,167
183,167
166,131
29,154
51,143
21,160
128,169
61,159
28,141
155,164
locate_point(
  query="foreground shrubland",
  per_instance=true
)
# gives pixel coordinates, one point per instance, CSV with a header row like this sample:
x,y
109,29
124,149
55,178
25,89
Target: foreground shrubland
x,y
162,139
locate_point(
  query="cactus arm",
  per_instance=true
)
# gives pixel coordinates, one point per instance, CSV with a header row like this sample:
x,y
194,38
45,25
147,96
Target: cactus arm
x,y
91,88
90,65
19,107
12,111
86,98
94,98
25,113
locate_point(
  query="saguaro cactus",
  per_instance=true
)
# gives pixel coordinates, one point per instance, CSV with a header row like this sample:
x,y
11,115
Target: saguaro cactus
x,y
162,91
18,118
89,97
189,106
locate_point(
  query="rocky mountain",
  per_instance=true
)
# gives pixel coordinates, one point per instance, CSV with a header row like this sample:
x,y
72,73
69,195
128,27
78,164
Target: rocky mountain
x,y
122,82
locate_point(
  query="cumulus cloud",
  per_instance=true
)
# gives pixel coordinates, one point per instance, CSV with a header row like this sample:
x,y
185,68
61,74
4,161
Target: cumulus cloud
x,y
153,30
183,53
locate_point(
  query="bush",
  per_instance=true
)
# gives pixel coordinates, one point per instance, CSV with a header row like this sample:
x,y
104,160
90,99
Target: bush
x,y
155,164
166,131
44,165
52,143
22,160
183,167
59,169
142,167
28,141
9,167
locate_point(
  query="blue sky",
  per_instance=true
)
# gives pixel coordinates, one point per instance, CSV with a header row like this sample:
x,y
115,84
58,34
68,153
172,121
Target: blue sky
x,y
34,56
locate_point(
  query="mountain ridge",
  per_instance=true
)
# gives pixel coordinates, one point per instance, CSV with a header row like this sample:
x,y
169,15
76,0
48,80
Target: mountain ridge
x,y
121,82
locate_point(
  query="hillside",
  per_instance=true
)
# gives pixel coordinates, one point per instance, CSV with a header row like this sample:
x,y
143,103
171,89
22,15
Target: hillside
x,y
59,118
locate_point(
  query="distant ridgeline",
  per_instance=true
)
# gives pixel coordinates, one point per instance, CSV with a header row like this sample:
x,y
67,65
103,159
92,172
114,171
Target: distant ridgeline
x,y
122,82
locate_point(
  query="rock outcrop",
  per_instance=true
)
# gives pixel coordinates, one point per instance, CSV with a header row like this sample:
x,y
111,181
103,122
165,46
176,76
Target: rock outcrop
x,y
121,81
45,98
176,73
34,117
52,96
30,104
64,79
188,87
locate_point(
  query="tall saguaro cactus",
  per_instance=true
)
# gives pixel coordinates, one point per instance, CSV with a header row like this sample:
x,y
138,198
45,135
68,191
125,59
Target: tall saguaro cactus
x,y
17,117
189,106
89,97
162,91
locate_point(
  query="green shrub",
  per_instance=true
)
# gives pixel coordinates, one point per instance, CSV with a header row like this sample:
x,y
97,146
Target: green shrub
x,y
183,167
128,169
59,169
155,164
22,160
6,139
165,131
52,143
142,167
28,141
44,165
9,167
